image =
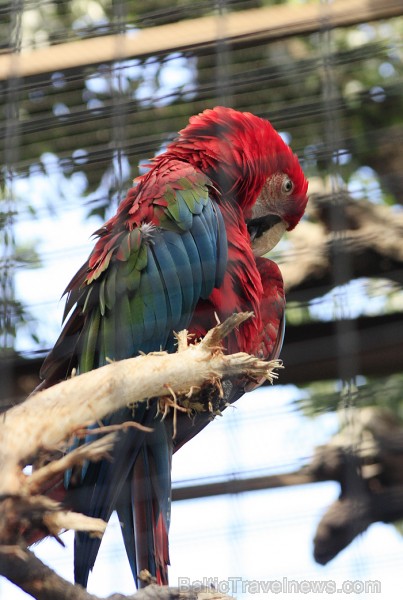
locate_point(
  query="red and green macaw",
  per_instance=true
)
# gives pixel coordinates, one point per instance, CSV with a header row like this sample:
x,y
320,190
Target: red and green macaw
x,y
185,245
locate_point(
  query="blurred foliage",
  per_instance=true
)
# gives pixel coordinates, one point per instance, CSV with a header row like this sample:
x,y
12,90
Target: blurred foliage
x,y
14,316
94,118
329,396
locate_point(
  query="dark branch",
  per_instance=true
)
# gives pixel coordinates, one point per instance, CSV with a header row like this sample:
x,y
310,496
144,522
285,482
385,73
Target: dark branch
x,y
370,479
24,569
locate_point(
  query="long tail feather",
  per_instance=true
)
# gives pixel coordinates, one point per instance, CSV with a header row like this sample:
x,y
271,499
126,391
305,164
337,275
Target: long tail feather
x,y
101,485
151,499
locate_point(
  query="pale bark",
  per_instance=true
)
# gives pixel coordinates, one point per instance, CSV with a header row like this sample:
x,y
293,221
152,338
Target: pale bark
x,y
45,422
50,417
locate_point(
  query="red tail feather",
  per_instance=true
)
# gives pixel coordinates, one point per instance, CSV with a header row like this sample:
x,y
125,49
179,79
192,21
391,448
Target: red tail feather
x,y
161,551
150,526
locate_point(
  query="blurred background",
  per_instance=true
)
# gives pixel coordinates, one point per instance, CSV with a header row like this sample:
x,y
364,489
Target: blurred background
x,y
302,480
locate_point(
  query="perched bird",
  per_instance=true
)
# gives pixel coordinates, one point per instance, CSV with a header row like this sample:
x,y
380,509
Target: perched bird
x,y
185,246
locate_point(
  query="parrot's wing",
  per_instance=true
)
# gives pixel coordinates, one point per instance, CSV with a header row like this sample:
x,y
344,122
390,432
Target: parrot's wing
x,y
148,270
140,284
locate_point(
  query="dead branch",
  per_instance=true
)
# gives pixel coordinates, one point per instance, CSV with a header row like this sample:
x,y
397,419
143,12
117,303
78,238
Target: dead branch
x,y
100,448
46,421
351,515
25,570
50,417
366,458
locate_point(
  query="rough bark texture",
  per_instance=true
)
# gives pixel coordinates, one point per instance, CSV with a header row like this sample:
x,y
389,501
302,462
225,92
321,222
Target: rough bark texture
x,y
50,417
25,570
44,423
343,239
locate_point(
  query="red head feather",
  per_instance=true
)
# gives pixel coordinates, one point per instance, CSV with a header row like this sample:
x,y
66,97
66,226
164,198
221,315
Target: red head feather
x,y
239,152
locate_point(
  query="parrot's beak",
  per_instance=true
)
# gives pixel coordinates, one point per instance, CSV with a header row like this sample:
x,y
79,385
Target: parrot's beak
x,y
265,233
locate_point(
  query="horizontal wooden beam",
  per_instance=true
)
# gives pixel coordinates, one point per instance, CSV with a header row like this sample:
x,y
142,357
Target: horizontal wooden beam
x,y
370,346
265,24
238,486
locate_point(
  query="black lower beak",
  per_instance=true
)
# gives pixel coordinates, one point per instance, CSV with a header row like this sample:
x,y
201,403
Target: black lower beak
x,y
257,227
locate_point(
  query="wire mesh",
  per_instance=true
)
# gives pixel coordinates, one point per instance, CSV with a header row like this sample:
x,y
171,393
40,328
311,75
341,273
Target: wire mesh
x,y
72,143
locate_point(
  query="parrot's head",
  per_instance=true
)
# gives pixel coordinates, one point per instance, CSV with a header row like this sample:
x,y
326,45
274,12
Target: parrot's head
x,y
280,203
250,164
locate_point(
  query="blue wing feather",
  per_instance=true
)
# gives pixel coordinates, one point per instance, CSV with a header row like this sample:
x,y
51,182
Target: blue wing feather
x,y
207,253
194,260
159,294
181,260
149,311
169,277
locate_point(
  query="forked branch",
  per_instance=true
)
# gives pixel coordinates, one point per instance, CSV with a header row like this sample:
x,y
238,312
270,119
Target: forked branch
x,y
45,423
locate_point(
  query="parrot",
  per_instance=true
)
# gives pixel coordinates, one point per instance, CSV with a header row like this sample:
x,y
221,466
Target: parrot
x,y
186,247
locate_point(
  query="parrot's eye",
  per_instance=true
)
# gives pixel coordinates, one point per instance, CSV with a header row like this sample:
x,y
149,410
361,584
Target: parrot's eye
x,y
287,186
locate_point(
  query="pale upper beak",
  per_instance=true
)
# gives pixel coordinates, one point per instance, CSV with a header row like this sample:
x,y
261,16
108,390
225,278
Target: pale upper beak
x,y
265,233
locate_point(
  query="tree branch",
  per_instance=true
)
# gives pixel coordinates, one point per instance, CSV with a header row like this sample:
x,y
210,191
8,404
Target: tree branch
x,y
25,570
46,421
370,478
51,416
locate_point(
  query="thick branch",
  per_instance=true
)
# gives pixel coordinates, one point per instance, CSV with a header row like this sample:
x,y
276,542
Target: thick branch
x,y
49,417
25,570
370,479
351,515
267,23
